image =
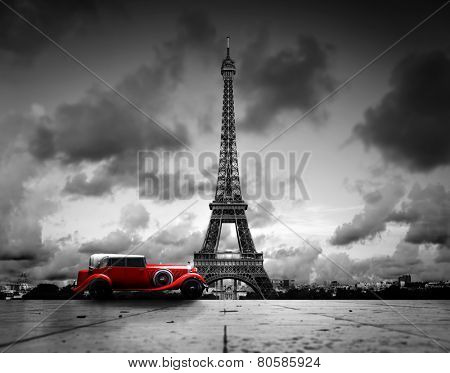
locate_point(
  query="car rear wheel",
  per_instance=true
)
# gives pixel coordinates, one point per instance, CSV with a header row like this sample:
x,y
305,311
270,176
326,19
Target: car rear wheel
x,y
192,289
100,289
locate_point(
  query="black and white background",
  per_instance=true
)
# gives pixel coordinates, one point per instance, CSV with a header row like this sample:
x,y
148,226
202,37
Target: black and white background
x,y
377,178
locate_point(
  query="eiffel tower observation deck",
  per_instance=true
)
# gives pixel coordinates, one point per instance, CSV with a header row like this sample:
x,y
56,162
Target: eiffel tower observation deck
x,y
245,263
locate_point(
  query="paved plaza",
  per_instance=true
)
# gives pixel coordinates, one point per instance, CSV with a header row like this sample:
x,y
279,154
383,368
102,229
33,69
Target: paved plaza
x,y
231,326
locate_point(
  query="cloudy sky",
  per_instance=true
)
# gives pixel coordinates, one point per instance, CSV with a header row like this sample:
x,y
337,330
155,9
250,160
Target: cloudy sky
x,y
377,180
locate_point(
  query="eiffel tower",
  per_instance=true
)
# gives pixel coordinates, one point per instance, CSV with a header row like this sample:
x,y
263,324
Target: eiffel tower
x,y
229,207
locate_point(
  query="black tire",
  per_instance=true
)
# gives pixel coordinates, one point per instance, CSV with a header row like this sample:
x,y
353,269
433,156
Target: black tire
x,y
100,289
192,289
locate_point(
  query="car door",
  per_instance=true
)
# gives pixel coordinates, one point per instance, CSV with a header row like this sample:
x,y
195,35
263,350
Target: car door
x,y
116,272
136,274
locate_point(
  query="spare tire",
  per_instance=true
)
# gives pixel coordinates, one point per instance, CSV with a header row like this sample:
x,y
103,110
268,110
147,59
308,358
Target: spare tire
x,y
162,277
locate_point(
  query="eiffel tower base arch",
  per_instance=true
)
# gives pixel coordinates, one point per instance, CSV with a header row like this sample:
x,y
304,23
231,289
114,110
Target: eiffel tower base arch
x,y
248,271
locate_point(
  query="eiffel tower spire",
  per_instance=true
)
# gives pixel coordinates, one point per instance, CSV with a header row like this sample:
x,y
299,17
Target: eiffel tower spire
x,y
228,185
244,264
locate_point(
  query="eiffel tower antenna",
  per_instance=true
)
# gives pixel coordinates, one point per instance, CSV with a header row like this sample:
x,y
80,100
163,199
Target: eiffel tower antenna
x,y
244,264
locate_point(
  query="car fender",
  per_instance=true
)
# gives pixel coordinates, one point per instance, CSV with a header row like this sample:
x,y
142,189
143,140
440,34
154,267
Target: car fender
x,y
179,281
83,286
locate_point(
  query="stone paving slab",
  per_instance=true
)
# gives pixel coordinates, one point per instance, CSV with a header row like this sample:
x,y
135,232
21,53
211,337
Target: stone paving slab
x,y
251,326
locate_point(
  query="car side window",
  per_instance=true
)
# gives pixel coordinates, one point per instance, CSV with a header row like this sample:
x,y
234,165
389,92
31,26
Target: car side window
x,y
135,262
116,262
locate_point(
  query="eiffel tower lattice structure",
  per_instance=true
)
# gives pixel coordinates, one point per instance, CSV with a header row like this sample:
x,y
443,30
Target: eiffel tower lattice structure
x,y
246,265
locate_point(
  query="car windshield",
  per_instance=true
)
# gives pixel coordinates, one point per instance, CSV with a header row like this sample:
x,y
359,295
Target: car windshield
x,y
94,262
103,263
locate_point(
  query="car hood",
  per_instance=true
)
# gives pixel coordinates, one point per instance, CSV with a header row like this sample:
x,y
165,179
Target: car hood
x,y
169,265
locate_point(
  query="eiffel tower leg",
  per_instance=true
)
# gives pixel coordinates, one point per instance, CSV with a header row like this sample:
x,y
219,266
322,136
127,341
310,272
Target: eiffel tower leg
x,y
265,285
212,236
244,236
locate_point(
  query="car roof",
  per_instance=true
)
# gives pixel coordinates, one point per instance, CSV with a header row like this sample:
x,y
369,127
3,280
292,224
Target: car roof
x,y
100,256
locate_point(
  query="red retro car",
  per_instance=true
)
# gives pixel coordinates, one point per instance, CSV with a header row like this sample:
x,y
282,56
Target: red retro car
x,y
110,272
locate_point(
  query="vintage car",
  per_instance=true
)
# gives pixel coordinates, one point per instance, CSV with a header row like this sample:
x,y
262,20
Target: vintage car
x,y
115,272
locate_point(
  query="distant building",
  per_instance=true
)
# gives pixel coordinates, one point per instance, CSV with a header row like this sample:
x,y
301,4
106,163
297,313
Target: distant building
x,y
283,285
404,280
288,284
16,289
435,285
276,282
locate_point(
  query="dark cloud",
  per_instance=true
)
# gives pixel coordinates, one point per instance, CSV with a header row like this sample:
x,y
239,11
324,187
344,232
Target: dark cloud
x,y
80,185
22,230
65,264
410,124
293,79
15,128
372,221
102,127
195,36
20,43
330,269
179,249
21,243
295,263
115,242
443,255
427,212
373,197
195,30
208,118
107,127
306,264
109,175
342,268
22,208
175,244
134,217
41,143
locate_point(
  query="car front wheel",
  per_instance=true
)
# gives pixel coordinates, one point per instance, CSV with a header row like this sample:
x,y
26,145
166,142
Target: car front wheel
x,y
192,289
100,289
